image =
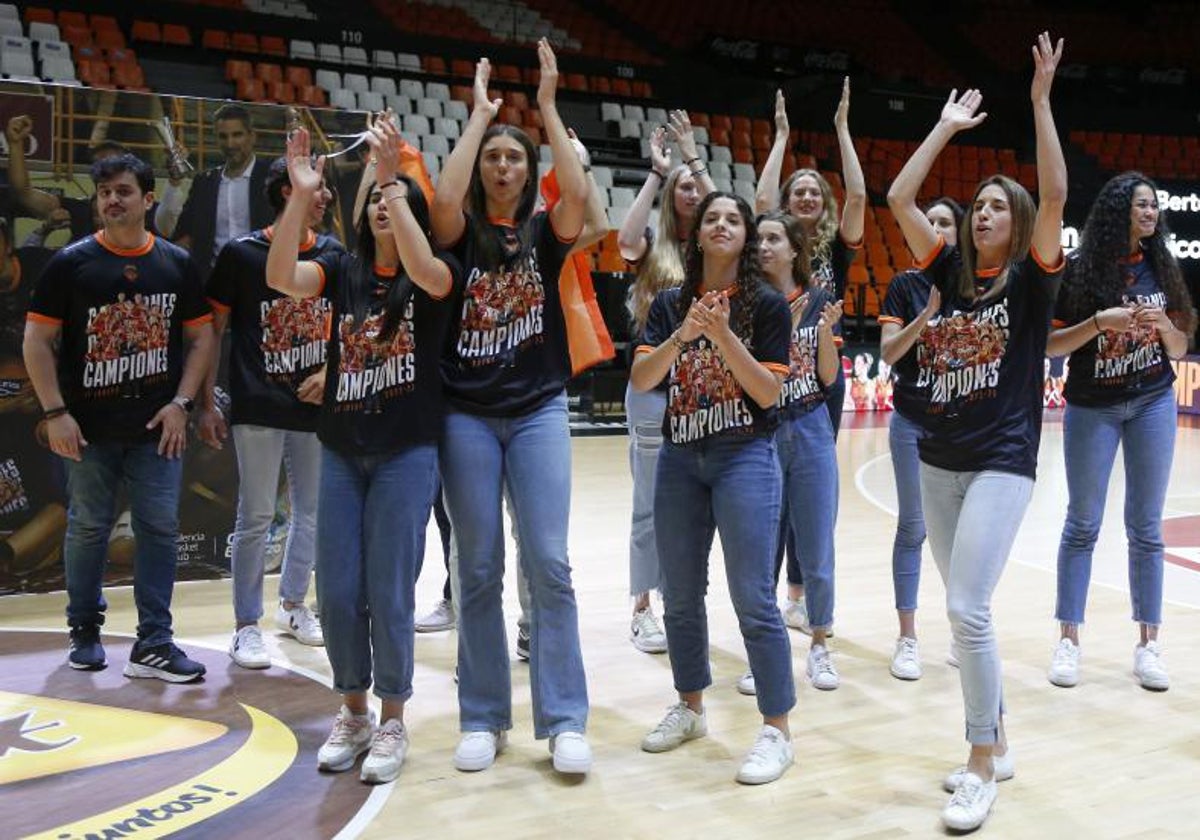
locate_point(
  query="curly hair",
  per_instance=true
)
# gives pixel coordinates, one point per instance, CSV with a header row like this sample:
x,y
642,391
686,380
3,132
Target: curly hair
x,y
1023,212
827,225
662,266
748,284
1098,280
798,239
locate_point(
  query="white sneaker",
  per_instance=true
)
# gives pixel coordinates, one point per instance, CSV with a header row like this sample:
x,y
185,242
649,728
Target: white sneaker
x,y
681,724
441,617
351,736
906,661
820,669
1064,665
571,752
386,754
746,684
970,804
646,634
1148,667
246,648
795,615
768,759
300,624
1003,768
478,750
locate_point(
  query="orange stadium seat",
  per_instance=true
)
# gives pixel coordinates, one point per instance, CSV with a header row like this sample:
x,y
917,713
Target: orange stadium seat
x,y
505,73
128,76
576,81
36,14
511,114
312,96
250,90
535,134
517,98
282,92
244,42
600,84
104,23
301,77
273,45
621,87
268,72
176,34
642,90
434,65
462,67
75,35
146,30
215,39
462,93
66,18
236,68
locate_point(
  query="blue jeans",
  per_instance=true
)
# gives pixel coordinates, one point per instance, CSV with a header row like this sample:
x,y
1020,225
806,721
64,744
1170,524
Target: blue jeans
x,y
529,455
973,519
371,524
260,450
1145,429
731,484
644,411
903,435
808,461
152,485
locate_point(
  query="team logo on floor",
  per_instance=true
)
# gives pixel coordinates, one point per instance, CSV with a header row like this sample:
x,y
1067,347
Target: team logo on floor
x,y
97,755
1181,536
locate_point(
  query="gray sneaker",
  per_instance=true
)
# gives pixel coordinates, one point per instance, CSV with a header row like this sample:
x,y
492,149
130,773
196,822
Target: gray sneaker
x,y
351,737
680,724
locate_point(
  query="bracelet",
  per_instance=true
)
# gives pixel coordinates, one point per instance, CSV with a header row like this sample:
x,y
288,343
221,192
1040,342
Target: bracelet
x,y
391,183
690,162
55,412
1096,324
679,343
698,172
661,176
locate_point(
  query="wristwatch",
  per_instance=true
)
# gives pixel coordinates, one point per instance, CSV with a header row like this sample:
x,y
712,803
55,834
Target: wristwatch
x,y
186,403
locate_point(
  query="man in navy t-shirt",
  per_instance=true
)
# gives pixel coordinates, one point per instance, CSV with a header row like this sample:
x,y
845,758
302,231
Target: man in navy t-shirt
x,y
117,340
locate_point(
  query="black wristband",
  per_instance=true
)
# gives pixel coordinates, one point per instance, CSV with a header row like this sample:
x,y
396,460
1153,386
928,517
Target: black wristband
x,y
693,160
50,414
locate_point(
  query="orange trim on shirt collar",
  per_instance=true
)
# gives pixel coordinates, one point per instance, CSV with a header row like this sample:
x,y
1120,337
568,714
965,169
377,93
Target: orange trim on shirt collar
x,y
386,271
987,273
310,237
125,252
500,220
1133,259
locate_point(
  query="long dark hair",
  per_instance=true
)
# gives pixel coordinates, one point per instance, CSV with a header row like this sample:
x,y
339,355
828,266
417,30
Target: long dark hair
x,y
749,282
1098,279
488,245
1023,212
798,239
358,287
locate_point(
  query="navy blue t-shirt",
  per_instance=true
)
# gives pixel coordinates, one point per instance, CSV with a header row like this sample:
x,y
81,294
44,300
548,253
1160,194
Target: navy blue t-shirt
x,y
1118,366
832,274
982,367
508,351
278,341
907,295
704,399
802,389
382,396
122,314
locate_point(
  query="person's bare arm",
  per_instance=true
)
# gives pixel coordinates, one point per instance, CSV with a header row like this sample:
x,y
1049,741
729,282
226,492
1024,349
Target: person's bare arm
x,y
41,363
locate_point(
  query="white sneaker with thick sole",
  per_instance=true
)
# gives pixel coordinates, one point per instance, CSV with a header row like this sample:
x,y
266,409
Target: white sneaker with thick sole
x,y
906,660
1148,667
386,754
478,750
351,736
970,804
246,648
571,752
300,624
680,724
768,759
746,684
1064,664
820,669
1003,768
646,633
440,618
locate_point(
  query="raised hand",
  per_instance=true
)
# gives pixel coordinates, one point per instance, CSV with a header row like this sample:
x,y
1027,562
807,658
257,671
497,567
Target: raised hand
x,y
1046,56
585,157
305,177
831,314
933,305
841,117
491,107
782,129
693,324
548,79
660,154
680,129
959,112
18,130
384,140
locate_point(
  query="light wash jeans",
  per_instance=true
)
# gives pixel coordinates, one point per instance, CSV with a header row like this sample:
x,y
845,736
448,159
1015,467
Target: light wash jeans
x,y
731,484
93,485
260,451
644,414
371,524
1145,429
903,435
973,519
808,461
531,456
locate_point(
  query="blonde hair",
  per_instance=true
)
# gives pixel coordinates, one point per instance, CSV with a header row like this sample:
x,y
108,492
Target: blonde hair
x,y
828,225
662,267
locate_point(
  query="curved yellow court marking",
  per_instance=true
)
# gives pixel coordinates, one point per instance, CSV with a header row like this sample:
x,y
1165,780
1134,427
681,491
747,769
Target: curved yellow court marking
x,y
45,736
267,754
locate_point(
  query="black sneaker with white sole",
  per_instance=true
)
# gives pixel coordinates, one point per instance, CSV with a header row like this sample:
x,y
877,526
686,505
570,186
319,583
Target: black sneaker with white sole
x,y
86,653
162,662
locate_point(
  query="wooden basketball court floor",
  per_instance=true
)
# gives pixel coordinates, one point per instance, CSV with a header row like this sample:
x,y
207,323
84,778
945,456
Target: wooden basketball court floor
x,y
1105,759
